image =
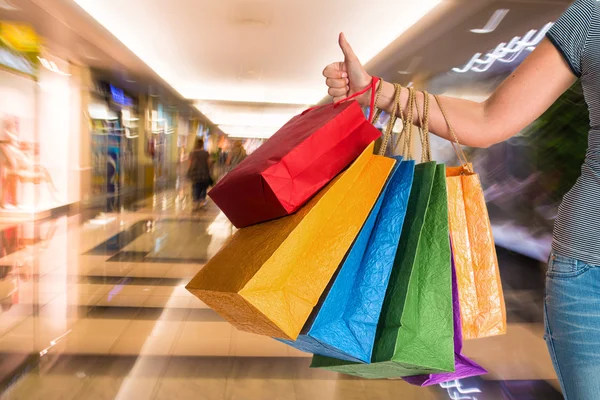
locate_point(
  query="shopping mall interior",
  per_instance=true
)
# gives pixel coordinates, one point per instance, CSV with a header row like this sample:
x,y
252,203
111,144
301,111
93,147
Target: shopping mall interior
x,y
102,103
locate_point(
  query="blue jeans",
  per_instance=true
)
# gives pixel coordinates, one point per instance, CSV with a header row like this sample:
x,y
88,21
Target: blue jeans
x,y
572,308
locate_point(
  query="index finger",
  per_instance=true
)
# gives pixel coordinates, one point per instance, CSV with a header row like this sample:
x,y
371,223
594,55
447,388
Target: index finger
x,y
334,71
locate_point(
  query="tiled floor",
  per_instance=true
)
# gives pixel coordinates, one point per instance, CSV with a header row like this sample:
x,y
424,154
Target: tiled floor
x,y
98,310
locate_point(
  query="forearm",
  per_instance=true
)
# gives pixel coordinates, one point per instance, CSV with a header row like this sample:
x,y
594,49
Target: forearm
x,y
468,118
517,102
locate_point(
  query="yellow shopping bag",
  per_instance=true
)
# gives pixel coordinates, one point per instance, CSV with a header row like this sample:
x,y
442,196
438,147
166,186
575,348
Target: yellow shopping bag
x,y
268,277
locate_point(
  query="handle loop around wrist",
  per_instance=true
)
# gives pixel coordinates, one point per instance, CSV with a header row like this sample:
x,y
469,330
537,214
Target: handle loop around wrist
x,y
372,87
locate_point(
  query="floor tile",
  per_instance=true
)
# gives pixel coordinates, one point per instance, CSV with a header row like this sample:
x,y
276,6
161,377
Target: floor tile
x,y
206,347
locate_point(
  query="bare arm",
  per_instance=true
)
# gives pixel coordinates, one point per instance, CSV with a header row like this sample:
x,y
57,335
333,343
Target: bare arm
x,y
516,103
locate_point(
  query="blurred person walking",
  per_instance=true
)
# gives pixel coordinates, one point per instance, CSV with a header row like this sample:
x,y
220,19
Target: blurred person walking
x,y
570,51
199,174
236,155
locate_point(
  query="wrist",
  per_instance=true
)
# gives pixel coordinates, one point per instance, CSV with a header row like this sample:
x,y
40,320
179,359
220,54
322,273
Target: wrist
x,y
365,98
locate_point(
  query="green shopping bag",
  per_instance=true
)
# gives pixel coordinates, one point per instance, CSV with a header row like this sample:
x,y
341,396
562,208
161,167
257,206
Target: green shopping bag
x,y
415,334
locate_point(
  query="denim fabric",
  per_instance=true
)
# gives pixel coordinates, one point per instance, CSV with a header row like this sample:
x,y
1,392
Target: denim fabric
x,y
572,308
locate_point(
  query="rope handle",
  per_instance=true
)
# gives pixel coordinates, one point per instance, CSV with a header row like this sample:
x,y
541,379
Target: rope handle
x,y
462,158
392,120
371,87
407,125
424,128
376,111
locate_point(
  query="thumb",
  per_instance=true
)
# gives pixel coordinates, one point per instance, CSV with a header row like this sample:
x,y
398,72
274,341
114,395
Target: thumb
x,y
349,54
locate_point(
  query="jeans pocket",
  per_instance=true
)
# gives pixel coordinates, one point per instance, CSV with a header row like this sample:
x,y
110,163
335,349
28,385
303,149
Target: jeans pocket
x,y
565,267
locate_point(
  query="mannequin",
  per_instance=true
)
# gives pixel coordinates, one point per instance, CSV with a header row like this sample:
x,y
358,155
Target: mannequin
x,y
20,165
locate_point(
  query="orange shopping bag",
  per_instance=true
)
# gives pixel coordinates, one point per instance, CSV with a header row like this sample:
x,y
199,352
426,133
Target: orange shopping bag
x,y
482,307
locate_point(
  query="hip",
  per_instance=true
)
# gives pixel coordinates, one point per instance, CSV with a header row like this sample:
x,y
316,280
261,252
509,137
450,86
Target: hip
x,y
577,226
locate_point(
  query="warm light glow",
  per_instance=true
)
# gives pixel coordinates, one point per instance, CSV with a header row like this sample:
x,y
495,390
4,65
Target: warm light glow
x,y
271,116
392,19
51,65
255,132
101,111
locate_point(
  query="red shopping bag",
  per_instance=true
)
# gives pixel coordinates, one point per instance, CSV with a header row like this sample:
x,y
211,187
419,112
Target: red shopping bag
x,y
296,162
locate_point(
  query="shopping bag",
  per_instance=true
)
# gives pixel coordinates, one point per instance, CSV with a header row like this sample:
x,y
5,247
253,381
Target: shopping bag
x,y
268,277
464,367
483,310
415,334
345,323
295,163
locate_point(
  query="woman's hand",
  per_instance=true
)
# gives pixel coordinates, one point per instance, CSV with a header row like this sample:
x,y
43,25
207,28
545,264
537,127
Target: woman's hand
x,y
347,77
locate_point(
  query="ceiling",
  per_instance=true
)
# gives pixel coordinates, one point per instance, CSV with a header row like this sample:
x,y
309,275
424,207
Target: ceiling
x,y
259,54
71,34
250,65
442,42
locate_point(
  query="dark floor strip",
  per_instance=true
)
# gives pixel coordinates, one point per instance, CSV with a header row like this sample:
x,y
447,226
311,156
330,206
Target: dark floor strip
x,y
165,260
142,257
120,240
151,314
130,280
128,256
14,366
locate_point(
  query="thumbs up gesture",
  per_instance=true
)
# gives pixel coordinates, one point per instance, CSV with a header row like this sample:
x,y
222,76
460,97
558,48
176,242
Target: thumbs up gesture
x,y
346,77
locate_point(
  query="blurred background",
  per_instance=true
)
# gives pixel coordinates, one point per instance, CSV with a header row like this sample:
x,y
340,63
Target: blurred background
x,y
101,102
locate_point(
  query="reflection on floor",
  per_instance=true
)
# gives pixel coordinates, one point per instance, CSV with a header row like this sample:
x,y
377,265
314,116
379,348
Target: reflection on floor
x,y
97,309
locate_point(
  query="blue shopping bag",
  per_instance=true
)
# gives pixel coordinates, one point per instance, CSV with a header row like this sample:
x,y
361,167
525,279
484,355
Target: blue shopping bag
x,y
344,324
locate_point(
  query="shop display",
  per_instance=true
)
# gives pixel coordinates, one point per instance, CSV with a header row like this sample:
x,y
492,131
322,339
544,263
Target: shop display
x,y
19,48
40,124
20,165
115,135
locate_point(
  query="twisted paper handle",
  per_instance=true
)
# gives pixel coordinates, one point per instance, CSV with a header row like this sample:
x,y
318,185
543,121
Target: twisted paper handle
x,y
462,158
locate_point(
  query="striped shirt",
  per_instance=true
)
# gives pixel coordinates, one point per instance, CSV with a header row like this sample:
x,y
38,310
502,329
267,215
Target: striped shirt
x,y
577,228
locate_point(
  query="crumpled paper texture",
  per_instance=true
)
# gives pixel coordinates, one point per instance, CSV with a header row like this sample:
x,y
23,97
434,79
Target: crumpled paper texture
x,y
464,367
294,164
415,335
482,305
344,324
267,278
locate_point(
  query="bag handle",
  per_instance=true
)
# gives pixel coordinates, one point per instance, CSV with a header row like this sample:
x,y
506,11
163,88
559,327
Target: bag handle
x,y
462,158
407,125
372,87
424,128
392,121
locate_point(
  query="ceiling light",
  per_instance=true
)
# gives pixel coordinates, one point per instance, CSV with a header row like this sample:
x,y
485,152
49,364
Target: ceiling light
x,y
303,86
83,50
51,65
249,114
493,22
255,132
8,6
505,52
